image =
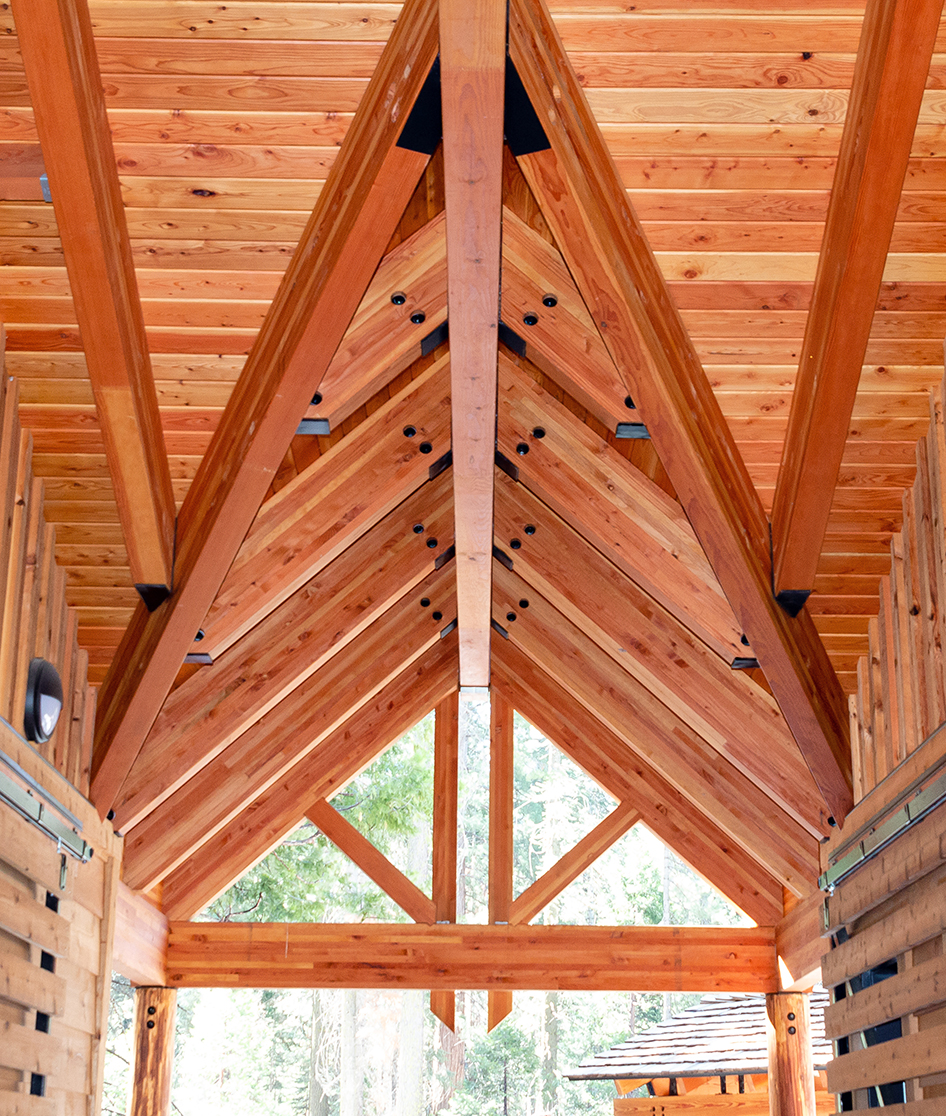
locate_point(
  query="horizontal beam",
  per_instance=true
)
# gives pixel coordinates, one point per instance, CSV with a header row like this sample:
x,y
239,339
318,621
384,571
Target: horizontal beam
x,y
578,958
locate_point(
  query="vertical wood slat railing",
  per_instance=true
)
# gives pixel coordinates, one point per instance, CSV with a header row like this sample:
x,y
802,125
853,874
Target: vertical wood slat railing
x,y
901,694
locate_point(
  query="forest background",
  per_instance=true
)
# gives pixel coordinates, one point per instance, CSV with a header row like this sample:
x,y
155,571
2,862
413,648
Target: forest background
x,y
345,1053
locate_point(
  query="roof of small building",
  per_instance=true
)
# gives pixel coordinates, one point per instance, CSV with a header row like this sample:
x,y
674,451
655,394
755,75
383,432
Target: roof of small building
x,y
725,1033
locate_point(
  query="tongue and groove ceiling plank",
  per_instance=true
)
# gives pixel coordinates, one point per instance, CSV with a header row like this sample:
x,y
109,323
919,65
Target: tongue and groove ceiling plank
x,y
56,43
371,182
330,612
663,808
729,711
893,61
263,754
473,72
653,732
586,206
266,820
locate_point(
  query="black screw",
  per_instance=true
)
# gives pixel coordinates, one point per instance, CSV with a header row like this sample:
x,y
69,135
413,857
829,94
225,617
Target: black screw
x,y
791,1030
150,1024
510,616
791,1015
744,640
419,318
152,1010
437,615
316,399
629,403
426,447
418,528
523,603
410,431
806,54
549,300
515,543
199,636
110,816
431,544
522,449
425,602
399,298
530,319
530,529
831,821
539,432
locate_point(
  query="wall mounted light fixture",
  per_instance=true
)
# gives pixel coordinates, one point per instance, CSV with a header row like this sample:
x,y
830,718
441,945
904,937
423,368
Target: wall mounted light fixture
x,y
43,701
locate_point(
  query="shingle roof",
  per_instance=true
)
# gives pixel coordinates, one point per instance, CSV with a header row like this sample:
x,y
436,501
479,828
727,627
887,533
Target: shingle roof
x,y
723,1034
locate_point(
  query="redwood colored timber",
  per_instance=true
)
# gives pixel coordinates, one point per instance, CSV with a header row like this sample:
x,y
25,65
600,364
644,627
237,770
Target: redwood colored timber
x,y
373,863
791,1067
155,1015
55,40
584,202
663,808
265,820
473,68
501,762
446,805
570,866
890,74
589,958
356,214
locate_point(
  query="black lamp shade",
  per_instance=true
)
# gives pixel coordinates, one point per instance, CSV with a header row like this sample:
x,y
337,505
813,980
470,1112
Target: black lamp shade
x,y
43,701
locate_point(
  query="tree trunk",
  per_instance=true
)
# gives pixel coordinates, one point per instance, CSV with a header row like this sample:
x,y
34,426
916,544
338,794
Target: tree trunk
x,y
410,1062
318,1098
352,1067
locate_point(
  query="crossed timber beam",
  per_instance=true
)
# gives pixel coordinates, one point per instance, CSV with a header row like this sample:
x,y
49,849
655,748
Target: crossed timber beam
x,y
893,61
355,216
583,200
56,42
575,958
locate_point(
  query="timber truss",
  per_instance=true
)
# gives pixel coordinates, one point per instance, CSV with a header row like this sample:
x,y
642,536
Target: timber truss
x,y
524,481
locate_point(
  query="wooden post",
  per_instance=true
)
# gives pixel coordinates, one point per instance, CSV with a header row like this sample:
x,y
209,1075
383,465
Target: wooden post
x,y
791,1070
155,1011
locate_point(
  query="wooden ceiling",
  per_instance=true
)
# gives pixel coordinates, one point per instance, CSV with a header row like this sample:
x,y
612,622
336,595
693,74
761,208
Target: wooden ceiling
x,y
186,144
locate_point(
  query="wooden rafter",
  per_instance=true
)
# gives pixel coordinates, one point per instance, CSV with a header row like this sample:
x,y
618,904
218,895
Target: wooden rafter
x,y
264,754
570,865
373,863
654,732
600,958
446,806
267,818
56,42
473,68
728,709
309,629
585,204
692,835
893,61
370,183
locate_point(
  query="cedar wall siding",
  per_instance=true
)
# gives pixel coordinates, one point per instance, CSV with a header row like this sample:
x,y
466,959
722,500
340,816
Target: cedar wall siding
x,y
886,914
57,914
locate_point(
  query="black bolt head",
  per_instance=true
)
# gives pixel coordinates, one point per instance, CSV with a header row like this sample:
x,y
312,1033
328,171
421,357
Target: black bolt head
x,y
530,529
316,399
418,528
437,615
629,403
539,432
425,602
419,318
523,603
510,616
530,319
549,300
199,636
410,431
399,298
426,447
515,543
522,449
431,544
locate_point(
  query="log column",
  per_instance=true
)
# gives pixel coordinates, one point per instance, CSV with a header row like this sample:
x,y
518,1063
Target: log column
x,y
791,1069
155,1012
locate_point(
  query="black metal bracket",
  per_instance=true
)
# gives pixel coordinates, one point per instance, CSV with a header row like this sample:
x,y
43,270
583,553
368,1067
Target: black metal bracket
x,y
524,131
423,129
153,595
510,468
444,632
499,628
744,663
512,340
435,338
502,557
442,559
440,465
314,426
632,430
792,601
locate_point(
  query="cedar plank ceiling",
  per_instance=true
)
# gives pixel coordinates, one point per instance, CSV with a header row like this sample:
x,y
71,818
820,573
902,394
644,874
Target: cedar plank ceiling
x,y
724,119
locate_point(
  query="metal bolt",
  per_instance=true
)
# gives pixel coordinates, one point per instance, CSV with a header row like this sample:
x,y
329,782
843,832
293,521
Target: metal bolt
x,y
410,431
530,319
426,447
530,529
399,298
522,449
316,399
419,318
549,300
